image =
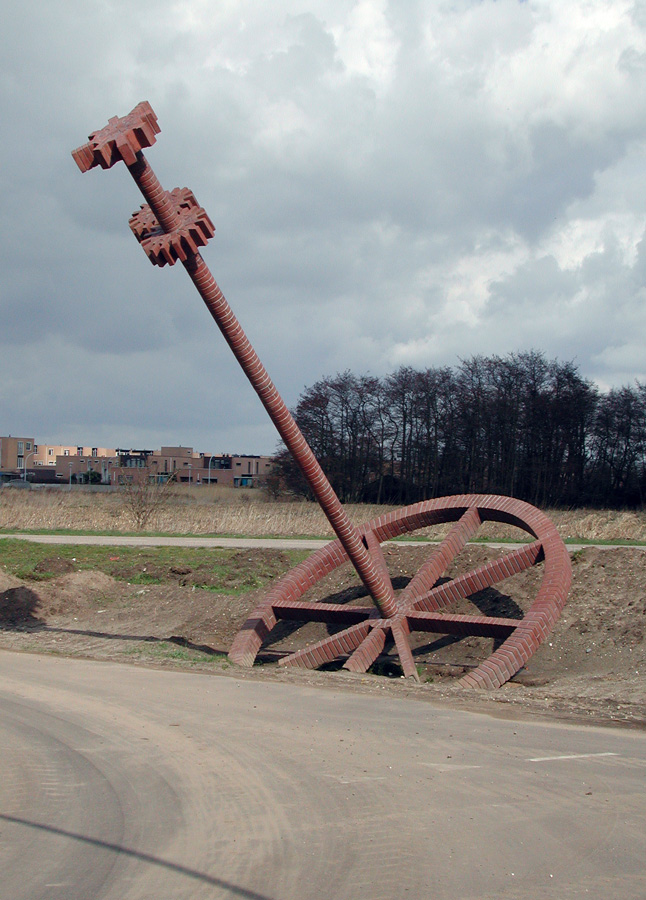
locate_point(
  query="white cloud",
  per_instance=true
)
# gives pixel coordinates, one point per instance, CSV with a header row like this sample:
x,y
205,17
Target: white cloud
x,y
366,44
572,70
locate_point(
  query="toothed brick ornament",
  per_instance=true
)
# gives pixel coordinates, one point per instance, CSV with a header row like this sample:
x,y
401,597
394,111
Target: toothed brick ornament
x,y
192,230
121,139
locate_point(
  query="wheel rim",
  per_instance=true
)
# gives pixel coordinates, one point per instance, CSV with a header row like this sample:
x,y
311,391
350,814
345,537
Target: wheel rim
x,y
420,605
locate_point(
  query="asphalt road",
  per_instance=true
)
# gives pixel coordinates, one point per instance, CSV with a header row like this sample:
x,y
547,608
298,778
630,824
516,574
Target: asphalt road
x,y
128,783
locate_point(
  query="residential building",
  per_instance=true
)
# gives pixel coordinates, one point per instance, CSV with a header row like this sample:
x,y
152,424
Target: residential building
x,y
16,454
47,453
183,464
74,468
67,463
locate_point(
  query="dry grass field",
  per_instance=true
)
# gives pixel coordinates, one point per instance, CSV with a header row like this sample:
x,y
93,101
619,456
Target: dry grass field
x,y
218,510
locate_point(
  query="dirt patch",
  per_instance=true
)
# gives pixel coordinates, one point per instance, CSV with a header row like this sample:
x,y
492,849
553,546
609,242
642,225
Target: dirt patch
x,y
592,666
54,565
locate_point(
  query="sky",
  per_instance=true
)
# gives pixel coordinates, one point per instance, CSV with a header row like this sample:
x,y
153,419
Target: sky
x,y
392,183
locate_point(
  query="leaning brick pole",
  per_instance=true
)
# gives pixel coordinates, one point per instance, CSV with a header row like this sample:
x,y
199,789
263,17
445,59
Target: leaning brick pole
x,y
172,229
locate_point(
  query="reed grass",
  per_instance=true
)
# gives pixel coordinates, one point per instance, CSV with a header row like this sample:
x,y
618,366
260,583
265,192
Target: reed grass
x,y
229,511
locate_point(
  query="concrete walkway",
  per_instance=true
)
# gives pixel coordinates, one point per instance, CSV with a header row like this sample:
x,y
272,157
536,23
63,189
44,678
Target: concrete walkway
x,y
243,543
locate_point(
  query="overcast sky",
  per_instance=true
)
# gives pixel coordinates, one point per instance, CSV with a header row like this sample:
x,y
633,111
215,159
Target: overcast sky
x,y
392,183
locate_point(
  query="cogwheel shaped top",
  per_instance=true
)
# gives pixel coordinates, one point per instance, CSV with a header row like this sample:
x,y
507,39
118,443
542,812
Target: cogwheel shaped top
x,y
121,139
192,230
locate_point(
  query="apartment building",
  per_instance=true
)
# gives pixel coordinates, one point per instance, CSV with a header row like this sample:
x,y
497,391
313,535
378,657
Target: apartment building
x,y
47,454
16,454
247,471
189,467
73,464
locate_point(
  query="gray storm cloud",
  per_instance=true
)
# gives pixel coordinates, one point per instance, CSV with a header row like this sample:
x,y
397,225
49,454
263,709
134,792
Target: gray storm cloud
x,y
390,183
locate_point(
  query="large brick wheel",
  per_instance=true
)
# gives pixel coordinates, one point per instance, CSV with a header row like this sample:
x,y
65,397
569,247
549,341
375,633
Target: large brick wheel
x,y
422,604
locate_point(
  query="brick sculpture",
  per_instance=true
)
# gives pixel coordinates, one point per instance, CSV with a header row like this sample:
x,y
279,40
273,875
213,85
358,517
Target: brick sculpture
x,y
172,227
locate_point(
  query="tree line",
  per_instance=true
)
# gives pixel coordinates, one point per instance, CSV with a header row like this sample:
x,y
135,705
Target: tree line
x,y
520,425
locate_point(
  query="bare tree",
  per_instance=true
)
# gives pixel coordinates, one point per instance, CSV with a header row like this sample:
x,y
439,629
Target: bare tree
x,y
618,444
144,495
522,425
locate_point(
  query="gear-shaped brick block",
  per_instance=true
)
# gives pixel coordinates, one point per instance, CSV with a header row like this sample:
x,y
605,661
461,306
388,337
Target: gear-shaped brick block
x,y
192,230
121,139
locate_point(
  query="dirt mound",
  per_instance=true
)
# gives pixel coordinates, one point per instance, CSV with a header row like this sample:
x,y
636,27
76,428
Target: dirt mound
x,y
87,581
593,663
18,603
608,601
76,593
54,565
18,607
8,581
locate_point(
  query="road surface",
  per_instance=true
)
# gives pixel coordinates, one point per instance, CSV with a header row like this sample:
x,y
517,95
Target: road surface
x,y
131,540
126,783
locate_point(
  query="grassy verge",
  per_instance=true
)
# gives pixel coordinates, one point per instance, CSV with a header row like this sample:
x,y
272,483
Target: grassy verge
x,y
219,570
165,651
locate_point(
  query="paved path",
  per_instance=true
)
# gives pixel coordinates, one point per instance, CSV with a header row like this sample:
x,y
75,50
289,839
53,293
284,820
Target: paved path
x,y
240,542
171,541
125,783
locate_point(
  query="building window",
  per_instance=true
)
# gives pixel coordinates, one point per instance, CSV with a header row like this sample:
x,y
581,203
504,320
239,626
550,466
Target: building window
x,y
95,451
27,445
50,451
21,448
66,452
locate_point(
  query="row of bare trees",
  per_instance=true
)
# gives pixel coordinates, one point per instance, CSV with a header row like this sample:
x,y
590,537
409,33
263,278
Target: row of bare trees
x,y
521,425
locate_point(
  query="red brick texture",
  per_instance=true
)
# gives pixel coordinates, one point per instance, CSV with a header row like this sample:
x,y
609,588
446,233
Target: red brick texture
x,y
120,140
421,603
192,229
171,228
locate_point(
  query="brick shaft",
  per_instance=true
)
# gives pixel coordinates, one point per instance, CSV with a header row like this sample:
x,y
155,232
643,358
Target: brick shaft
x,y
123,139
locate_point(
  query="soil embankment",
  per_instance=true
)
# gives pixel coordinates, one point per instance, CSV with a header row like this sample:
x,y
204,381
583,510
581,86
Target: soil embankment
x,y
593,665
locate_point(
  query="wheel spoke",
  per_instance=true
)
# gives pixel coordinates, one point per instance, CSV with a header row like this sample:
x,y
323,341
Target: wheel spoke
x,y
438,562
401,631
483,577
328,649
321,612
482,626
367,651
